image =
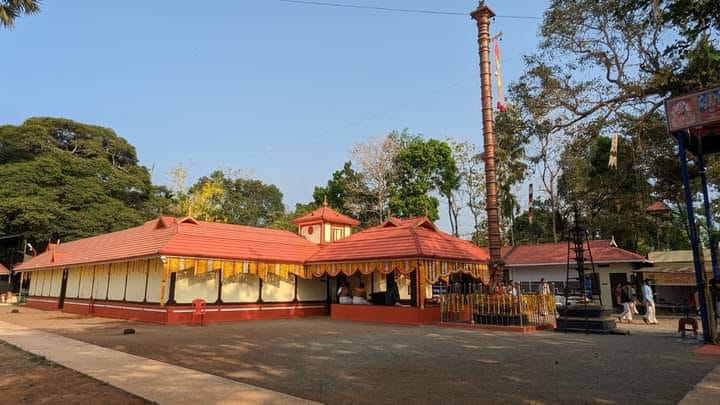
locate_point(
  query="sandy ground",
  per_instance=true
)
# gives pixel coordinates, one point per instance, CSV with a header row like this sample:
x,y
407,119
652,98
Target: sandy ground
x,y
346,362
28,379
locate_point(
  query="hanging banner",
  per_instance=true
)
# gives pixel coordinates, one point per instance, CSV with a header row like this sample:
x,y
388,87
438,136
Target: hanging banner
x,y
498,75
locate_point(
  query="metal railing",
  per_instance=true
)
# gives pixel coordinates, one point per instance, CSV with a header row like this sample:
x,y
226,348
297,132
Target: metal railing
x,y
498,309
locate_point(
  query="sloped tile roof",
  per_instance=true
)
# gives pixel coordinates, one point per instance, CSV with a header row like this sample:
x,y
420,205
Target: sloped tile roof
x,y
556,253
4,270
657,207
400,238
326,214
181,237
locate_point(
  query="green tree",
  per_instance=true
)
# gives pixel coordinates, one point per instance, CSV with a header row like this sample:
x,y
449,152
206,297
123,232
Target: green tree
x,y
347,191
422,167
67,180
10,10
471,191
222,198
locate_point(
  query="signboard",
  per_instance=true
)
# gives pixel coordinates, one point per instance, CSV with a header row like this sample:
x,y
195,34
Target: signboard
x,y
693,110
673,278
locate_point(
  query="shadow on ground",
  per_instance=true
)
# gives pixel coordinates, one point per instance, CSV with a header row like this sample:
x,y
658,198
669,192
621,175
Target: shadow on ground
x,y
347,362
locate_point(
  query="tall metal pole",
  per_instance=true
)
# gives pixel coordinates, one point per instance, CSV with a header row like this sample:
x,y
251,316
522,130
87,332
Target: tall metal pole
x,y
482,16
682,138
708,216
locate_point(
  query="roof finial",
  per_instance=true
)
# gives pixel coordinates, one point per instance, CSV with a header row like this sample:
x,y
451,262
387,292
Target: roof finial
x,y
190,209
325,201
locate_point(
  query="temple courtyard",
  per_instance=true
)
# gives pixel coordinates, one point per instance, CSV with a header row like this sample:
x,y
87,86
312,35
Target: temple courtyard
x,y
350,362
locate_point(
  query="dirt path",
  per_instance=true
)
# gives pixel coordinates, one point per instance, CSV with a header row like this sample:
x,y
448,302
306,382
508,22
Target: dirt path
x,y
29,379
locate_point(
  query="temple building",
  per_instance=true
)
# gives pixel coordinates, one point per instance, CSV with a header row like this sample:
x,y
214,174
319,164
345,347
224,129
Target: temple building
x,y
153,272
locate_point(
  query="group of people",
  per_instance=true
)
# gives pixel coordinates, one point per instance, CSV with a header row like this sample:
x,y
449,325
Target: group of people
x,y
626,295
357,295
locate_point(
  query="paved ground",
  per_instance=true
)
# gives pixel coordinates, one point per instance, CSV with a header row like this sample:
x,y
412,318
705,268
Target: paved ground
x,y
344,362
29,379
153,380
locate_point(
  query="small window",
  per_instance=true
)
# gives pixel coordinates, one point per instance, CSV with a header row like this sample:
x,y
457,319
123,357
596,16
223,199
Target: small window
x,y
338,233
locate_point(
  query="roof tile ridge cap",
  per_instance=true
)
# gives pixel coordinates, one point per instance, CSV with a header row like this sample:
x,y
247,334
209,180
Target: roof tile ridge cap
x,y
417,241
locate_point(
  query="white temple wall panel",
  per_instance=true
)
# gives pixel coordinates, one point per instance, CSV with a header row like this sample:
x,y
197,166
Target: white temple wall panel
x,y
314,289
46,281
101,282
86,282
137,274
244,288
154,282
277,290
33,283
56,282
116,289
189,287
73,282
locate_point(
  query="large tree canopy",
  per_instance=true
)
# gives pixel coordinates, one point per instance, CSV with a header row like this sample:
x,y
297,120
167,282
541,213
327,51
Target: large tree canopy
x,y
67,180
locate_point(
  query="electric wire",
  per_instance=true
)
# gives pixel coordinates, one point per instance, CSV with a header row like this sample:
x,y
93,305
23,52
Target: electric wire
x,y
399,10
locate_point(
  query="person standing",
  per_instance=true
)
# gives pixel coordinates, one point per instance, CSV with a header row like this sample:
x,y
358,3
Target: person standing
x,y
626,298
649,300
618,294
633,302
543,292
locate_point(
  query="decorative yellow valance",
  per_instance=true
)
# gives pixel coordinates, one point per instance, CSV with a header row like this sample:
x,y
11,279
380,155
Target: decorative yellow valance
x,y
433,270
230,268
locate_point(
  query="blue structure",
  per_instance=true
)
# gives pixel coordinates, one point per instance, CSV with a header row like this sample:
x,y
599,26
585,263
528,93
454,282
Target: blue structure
x,y
694,120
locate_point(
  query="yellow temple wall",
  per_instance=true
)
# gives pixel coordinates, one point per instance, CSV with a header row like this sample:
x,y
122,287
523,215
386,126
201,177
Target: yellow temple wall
x,y
244,289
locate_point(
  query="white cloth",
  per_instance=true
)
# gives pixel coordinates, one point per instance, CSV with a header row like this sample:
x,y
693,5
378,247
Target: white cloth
x,y
359,301
650,312
346,300
627,312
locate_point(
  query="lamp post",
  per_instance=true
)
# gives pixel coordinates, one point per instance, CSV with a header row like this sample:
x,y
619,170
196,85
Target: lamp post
x,y
482,16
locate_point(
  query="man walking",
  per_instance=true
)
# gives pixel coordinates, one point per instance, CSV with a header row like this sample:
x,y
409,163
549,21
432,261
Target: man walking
x,y
647,296
626,298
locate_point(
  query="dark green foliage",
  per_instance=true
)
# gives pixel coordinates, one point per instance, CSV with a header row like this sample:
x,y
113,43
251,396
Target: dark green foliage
x,y
243,201
348,193
67,180
422,167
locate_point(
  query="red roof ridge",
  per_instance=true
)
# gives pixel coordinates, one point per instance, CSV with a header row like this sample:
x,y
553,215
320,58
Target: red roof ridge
x,y
328,214
417,240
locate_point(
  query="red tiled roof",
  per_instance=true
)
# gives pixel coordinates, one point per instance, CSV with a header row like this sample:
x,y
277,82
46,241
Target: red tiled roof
x,y
4,270
326,214
400,238
557,253
656,208
179,237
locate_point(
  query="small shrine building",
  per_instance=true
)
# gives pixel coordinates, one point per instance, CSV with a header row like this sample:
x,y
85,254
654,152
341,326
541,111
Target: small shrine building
x,y
154,271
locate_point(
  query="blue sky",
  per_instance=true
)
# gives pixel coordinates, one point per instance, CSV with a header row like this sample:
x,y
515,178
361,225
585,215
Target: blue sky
x,y
280,91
